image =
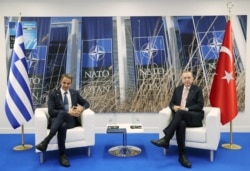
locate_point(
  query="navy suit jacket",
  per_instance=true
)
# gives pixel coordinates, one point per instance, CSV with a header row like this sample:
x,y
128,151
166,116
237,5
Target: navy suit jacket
x,y
55,102
194,103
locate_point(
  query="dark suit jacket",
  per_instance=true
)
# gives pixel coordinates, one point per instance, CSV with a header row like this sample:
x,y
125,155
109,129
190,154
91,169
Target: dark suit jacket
x,y
194,103
55,102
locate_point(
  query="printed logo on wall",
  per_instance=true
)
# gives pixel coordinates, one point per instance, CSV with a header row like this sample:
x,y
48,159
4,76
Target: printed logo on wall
x,y
149,50
150,61
29,34
150,54
99,54
96,64
36,61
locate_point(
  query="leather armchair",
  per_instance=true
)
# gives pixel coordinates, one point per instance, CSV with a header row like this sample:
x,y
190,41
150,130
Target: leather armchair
x,y
205,137
81,136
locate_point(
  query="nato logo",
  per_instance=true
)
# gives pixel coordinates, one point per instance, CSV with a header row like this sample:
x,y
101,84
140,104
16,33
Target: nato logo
x,y
210,44
149,50
36,60
97,53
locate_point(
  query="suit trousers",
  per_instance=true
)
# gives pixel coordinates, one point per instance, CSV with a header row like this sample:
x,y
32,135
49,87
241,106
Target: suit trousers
x,y
181,119
59,125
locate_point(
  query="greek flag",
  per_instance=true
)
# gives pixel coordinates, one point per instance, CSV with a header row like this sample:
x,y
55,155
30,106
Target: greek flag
x,y
18,102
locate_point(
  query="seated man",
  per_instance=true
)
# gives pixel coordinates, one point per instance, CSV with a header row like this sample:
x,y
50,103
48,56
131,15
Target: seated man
x,y
64,106
186,105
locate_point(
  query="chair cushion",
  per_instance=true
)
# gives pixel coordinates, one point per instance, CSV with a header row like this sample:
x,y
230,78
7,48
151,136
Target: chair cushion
x,y
73,134
195,135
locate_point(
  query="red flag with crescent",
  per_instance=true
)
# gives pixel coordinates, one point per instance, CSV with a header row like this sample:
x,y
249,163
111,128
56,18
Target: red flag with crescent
x,y
223,91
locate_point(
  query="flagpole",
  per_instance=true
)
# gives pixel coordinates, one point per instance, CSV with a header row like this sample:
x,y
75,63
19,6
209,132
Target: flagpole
x,y
23,146
230,145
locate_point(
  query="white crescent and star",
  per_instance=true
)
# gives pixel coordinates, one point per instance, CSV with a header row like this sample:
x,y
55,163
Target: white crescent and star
x,y
228,52
228,75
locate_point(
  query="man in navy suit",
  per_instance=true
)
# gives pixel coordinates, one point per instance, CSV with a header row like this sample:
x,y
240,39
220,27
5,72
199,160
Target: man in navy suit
x,y
65,106
186,104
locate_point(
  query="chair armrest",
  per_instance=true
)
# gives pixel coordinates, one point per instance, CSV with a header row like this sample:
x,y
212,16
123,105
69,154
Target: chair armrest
x,y
165,116
213,126
41,123
88,123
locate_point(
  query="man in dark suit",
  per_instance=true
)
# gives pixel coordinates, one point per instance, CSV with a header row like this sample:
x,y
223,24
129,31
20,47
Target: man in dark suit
x,y
65,106
186,104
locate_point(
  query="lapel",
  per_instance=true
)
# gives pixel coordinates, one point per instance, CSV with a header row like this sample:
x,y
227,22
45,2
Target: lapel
x,y
191,92
59,96
179,95
72,95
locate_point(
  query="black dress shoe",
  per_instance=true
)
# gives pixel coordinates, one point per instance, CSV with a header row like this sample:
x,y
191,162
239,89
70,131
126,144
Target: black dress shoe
x,y
184,161
64,161
161,143
42,146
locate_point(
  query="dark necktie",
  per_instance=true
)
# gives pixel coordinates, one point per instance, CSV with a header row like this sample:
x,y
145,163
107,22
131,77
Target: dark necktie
x,y
66,102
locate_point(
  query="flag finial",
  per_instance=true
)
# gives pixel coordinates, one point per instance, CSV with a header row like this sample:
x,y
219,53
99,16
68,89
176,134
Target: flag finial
x,y
230,5
20,16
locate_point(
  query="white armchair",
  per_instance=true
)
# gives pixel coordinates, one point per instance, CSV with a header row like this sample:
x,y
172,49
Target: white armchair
x,y
81,136
205,137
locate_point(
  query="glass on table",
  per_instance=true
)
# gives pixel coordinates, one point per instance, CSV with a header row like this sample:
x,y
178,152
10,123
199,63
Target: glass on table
x,y
136,122
112,122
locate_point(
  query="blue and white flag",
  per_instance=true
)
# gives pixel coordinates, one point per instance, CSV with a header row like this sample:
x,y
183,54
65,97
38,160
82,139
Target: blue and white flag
x,y
18,102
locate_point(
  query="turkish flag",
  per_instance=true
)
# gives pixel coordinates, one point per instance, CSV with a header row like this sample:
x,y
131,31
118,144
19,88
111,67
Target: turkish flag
x,y
223,90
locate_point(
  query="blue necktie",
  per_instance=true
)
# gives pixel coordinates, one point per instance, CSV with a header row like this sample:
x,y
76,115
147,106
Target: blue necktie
x,y
65,101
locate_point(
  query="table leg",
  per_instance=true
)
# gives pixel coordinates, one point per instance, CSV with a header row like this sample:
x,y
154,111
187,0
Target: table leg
x,y
124,150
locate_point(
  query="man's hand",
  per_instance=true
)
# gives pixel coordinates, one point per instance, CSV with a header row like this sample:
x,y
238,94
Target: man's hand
x,y
176,108
79,108
76,111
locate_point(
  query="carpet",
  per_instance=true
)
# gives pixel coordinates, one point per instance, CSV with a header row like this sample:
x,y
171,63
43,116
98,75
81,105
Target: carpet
x,y
150,159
